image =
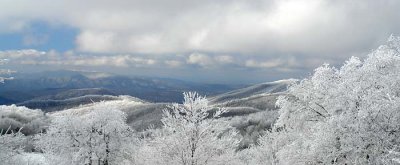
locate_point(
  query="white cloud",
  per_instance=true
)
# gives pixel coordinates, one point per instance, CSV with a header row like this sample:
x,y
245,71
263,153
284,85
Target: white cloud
x,y
224,59
17,54
207,61
69,58
200,59
308,27
263,64
96,41
286,35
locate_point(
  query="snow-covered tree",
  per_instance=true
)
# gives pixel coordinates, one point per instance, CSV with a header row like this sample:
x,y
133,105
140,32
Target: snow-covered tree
x,y
265,150
98,137
11,145
15,117
348,115
191,135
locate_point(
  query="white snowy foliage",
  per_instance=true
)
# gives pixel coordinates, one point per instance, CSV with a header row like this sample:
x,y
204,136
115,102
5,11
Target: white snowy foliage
x,y
15,117
11,145
191,135
30,158
122,103
348,115
98,137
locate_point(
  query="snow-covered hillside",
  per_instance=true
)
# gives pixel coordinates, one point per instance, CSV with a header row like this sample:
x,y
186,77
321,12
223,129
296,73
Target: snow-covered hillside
x,y
254,90
141,114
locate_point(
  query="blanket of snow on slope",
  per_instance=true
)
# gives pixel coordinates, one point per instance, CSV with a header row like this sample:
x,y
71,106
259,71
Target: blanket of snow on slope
x,y
123,103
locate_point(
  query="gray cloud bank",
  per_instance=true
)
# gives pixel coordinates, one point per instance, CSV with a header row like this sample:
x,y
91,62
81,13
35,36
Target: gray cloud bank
x,y
221,68
313,27
283,35
198,60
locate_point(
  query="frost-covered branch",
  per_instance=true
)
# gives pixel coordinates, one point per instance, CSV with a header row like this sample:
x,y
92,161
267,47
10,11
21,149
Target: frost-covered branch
x,y
191,136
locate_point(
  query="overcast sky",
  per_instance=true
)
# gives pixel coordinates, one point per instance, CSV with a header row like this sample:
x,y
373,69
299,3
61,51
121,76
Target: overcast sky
x,y
224,41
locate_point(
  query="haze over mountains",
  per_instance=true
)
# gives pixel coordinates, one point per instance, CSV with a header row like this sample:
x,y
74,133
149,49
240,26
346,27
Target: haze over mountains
x,y
49,89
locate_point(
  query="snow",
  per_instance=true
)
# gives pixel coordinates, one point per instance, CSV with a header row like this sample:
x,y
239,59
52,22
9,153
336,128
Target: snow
x,y
32,159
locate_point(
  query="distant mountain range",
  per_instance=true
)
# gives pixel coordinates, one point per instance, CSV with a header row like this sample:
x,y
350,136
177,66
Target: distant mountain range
x,y
255,98
52,87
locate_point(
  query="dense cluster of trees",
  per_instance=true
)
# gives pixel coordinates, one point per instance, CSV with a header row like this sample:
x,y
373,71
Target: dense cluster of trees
x,y
13,118
11,145
98,137
346,115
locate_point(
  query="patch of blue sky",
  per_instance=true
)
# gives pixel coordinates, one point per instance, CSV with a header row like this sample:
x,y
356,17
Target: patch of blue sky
x,y
41,36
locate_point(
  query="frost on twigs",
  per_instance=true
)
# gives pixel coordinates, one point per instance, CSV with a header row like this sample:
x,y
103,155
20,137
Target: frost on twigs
x,y
191,135
194,109
98,137
11,145
346,115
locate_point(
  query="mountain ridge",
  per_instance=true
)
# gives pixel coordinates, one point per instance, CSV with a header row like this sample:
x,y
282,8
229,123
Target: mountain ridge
x,y
46,84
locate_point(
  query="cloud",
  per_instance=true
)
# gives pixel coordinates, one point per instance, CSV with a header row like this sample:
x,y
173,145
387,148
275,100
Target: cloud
x,y
69,58
308,27
194,60
200,59
224,59
274,35
19,54
223,68
211,61
96,41
264,64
